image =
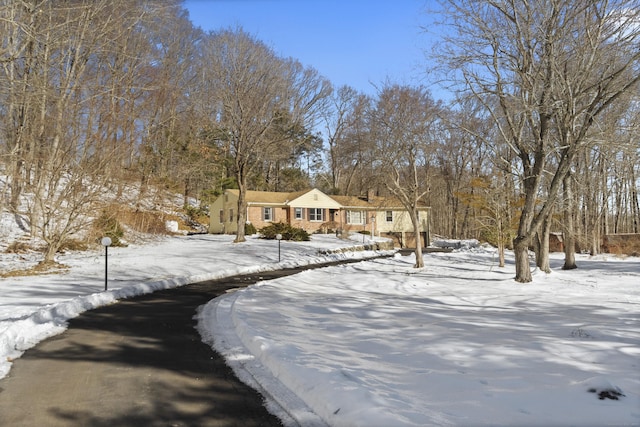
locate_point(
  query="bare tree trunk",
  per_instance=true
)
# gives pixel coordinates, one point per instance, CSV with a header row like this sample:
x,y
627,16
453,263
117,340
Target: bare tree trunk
x,y
242,208
539,67
635,203
501,253
521,253
568,226
542,254
416,230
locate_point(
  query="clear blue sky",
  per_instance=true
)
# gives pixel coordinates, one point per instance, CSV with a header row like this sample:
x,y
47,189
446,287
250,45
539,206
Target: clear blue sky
x,y
350,42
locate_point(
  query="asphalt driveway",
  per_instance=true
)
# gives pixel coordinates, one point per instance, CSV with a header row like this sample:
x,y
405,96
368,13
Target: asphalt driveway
x,y
139,362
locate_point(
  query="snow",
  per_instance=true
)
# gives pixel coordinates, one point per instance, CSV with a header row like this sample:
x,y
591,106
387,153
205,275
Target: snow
x,y
459,342
380,343
33,308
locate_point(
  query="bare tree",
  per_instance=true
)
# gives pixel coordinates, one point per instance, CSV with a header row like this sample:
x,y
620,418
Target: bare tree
x,y
493,197
569,230
71,163
346,131
545,70
64,119
462,155
252,89
172,152
404,121
20,26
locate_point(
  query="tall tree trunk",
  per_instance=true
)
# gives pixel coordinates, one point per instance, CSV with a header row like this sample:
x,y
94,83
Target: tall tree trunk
x,y
501,253
242,207
521,252
542,255
526,231
416,229
568,232
635,205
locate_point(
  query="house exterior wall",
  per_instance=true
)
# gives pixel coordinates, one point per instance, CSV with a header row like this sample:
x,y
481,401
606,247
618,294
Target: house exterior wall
x,y
407,239
323,206
255,215
228,203
329,216
400,221
345,221
322,217
314,199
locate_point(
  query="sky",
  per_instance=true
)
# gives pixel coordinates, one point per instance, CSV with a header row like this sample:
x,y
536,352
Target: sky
x,y
359,43
377,343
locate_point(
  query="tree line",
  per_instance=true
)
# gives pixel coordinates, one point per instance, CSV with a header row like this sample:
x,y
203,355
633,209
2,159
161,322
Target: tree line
x,y
541,132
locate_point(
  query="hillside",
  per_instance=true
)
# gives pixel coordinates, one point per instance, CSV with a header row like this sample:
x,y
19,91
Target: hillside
x,y
127,218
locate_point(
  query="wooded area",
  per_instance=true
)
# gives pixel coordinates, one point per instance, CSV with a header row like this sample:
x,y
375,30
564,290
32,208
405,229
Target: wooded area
x,y
542,133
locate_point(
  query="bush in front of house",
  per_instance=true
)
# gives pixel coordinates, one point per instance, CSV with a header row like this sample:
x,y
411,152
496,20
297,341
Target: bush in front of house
x,y
249,229
288,232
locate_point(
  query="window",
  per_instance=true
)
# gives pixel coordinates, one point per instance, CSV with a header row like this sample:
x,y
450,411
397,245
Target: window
x,y
231,218
355,217
316,214
267,214
298,213
389,216
221,216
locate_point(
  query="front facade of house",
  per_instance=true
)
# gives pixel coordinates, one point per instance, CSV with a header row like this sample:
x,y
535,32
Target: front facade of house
x,y
314,211
309,210
382,217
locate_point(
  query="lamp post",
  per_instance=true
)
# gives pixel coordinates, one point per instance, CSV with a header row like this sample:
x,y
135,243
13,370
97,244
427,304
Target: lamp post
x,y
278,238
106,242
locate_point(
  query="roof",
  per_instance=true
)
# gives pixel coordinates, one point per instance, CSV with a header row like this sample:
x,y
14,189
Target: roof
x,y
353,202
372,203
269,197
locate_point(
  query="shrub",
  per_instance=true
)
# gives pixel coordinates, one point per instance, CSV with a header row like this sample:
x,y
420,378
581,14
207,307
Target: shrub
x,y
108,226
249,229
18,247
149,222
288,232
198,214
73,245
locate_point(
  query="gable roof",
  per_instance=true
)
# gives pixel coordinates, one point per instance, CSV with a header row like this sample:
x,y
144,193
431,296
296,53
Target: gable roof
x,y
274,197
314,198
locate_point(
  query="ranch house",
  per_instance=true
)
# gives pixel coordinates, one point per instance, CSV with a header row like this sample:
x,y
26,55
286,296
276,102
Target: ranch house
x,y
314,211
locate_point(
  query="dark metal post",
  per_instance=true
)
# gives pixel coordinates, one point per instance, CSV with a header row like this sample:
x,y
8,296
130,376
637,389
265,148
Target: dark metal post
x,y
106,242
106,263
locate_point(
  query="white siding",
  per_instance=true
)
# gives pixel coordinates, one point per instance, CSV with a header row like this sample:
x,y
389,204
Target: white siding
x,y
401,221
314,199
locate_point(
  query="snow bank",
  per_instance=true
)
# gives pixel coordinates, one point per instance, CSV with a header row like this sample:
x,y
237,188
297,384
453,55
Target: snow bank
x,y
33,308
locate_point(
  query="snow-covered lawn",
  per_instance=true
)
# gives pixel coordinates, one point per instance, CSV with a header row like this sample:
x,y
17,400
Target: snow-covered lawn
x,y
380,343
33,308
458,343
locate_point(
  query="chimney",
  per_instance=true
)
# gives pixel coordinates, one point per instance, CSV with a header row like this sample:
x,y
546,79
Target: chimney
x,y
370,194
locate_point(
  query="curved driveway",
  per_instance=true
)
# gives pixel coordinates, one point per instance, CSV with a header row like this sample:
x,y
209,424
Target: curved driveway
x,y
139,362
